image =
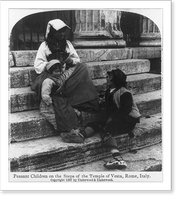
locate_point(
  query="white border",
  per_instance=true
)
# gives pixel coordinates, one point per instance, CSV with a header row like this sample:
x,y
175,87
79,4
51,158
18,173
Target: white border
x,y
166,184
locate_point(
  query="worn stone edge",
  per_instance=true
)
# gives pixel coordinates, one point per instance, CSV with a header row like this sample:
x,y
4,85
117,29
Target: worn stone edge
x,y
95,151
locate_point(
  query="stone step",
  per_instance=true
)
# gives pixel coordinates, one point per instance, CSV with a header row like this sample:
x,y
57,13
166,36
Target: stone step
x,y
129,66
24,76
25,99
52,154
137,83
146,159
104,43
22,99
29,125
26,58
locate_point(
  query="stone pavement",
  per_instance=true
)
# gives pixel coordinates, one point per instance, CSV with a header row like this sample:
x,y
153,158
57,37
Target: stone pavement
x,y
146,159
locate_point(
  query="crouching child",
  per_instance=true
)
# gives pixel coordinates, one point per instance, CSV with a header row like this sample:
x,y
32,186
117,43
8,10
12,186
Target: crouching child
x,y
123,115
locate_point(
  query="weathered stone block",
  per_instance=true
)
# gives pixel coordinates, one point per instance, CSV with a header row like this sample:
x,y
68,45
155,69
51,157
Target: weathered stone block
x,y
29,125
149,103
24,58
131,66
150,40
92,55
23,99
19,77
150,43
143,83
99,43
146,52
137,83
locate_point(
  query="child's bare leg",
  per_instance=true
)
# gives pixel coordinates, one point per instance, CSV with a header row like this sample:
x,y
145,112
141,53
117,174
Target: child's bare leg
x,y
117,162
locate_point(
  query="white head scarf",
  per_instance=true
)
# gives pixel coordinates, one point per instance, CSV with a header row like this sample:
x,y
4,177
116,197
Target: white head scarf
x,y
56,24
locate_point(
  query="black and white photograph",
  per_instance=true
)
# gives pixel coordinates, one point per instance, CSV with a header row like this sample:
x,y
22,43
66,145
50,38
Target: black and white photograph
x,y
86,97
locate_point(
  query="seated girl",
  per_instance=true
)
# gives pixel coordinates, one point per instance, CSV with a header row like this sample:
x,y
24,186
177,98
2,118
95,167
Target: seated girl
x,y
73,89
69,116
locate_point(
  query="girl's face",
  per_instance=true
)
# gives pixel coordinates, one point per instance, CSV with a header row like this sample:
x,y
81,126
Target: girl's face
x,y
56,72
110,84
60,34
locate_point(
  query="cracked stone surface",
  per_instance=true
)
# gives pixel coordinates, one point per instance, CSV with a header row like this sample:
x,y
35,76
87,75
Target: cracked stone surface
x,y
149,158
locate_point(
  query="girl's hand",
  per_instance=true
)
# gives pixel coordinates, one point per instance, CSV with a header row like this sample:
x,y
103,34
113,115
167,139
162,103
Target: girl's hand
x,y
47,100
69,61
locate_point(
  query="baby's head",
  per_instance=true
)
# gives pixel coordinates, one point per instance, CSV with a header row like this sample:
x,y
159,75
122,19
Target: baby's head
x,y
54,67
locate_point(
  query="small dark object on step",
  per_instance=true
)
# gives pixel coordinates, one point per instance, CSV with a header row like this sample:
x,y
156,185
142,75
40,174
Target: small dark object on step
x,y
133,151
148,116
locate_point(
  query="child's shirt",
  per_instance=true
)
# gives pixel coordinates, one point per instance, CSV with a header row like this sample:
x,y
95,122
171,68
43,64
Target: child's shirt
x,y
48,84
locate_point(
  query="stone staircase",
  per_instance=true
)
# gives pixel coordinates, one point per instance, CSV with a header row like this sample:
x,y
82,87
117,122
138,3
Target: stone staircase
x,y
34,146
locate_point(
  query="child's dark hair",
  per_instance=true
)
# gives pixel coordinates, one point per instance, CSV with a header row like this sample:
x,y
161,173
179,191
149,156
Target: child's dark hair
x,y
118,78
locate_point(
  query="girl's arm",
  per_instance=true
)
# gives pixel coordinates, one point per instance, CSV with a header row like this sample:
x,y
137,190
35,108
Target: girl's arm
x,y
67,73
46,90
41,59
73,57
71,61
